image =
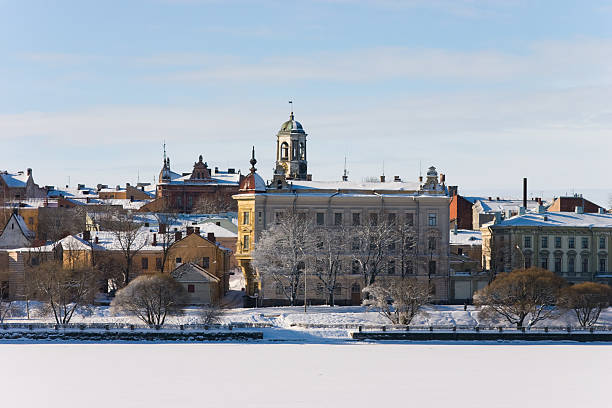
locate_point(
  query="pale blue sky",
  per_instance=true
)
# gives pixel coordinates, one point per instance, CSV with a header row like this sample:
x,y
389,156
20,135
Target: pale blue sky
x,y
488,91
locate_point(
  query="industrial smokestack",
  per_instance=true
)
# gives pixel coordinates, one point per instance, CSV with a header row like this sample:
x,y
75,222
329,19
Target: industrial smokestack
x,y
525,192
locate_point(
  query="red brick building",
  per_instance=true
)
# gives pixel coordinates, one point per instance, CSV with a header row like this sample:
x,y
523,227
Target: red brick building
x,y
460,210
569,204
199,189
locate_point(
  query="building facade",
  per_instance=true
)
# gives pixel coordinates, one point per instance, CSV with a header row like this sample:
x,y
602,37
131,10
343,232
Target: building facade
x,y
574,245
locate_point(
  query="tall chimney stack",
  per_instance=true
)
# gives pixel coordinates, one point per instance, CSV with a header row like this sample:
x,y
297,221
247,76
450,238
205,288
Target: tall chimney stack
x,y
525,192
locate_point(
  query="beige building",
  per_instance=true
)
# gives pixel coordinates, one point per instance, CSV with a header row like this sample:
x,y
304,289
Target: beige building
x,y
574,245
424,205
201,287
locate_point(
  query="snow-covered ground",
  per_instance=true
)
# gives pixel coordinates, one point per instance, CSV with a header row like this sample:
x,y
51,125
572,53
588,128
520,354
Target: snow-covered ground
x,y
292,375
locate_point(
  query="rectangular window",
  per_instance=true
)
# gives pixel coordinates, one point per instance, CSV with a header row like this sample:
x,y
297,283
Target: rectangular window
x,y
179,201
557,265
431,243
571,265
391,267
145,263
355,267
432,219
544,262
205,262
337,219
278,216
602,242
432,267
245,218
585,264
356,219
544,242
373,219
320,218
158,264
190,288
391,218
557,242
527,242
571,242
585,243
179,261
410,219
30,220
246,243
189,201
259,216
602,265
409,269
279,289
355,244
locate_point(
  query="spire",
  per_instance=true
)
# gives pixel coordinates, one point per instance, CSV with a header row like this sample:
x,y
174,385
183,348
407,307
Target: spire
x,y
345,174
165,153
253,161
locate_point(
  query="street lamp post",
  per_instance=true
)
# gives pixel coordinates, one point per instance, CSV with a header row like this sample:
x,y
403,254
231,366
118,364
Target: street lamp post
x,y
522,255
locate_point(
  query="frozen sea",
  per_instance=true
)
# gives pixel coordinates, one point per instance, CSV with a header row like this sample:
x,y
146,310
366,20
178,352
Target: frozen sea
x,y
305,375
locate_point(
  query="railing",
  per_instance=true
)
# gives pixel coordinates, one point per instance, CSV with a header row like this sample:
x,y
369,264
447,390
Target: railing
x,y
455,328
128,326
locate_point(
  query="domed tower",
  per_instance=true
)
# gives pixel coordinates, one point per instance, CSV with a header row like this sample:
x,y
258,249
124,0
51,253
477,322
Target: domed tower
x,y
291,150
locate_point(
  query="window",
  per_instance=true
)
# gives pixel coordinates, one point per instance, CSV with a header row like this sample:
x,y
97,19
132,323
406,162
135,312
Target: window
x,y
557,242
391,218
35,261
527,242
544,242
179,201
4,290
246,242
145,263
205,262
30,220
279,289
373,219
585,264
392,247
431,243
355,244
432,219
409,219
245,218
355,267
189,201
190,288
356,219
409,269
571,265
527,261
338,289
602,242
585,243
284,151
302,151
391,267
459,251
320,218
259,217
179,260
544,262
278,216
337,218
557,265
158,264
571,242
432,267
602,265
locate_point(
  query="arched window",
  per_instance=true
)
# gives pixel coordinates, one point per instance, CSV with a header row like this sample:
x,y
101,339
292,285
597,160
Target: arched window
x,y
302,151
284,151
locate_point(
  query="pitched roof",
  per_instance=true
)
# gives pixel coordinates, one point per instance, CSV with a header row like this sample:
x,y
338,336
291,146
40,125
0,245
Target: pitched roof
x,y
18,180
558,219
188,267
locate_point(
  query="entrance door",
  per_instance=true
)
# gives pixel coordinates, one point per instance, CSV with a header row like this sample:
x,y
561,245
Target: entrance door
x,y
356,295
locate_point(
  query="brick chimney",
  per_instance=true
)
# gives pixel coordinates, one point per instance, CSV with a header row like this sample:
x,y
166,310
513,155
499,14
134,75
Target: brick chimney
x,y
154,239
211,236
189,230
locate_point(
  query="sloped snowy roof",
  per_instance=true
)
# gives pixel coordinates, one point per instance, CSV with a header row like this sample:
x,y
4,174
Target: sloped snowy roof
x,y
465,237
352,185
505,205
18,180
558,219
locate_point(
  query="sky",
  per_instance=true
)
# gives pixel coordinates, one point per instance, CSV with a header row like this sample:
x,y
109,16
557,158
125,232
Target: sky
x,y
489,92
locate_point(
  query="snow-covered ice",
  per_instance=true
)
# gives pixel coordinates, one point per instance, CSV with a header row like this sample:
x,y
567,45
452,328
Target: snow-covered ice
x,y
292,375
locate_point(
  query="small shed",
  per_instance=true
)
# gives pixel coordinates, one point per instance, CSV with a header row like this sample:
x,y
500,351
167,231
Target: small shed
x,y
201,287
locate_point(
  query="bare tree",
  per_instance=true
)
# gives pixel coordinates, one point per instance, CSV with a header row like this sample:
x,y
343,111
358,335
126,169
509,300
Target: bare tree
x,y
587,300
64,290
404,237
398,300
6,304
328,252
166,238
522,293
214,204
282,253
57,223
370,247
211,314
151,298
126,230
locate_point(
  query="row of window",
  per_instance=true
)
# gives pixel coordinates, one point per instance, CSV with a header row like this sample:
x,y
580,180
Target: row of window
x,y
356,220
571,264
558,242
144,263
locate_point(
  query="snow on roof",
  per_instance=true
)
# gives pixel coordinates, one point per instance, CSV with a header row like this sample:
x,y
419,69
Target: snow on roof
x,y
86,192
18,180
22,225
351,185
465,237
180,270
504,205
558,219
